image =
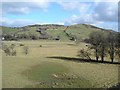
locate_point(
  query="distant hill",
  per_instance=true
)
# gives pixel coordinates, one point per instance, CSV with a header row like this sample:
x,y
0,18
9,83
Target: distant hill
x,y
53,30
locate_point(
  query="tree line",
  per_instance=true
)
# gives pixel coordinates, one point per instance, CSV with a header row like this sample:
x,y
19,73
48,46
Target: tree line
x,y
103,43
20,36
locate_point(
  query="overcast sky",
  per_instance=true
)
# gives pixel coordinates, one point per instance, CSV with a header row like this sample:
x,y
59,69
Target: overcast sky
x,y
102,14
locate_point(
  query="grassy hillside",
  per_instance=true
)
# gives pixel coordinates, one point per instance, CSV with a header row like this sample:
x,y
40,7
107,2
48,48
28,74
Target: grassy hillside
x,y
79,30
8,30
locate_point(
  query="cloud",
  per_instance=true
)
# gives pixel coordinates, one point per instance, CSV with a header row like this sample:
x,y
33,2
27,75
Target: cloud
x,y
97,13
15,22
80,6
88,19
101,11
20,10
84,19
59,23
22,22
69,5
84,9
106,11
23,7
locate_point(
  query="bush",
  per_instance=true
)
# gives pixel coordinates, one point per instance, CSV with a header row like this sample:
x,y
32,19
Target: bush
x,y
14,53
21,44
12,46
9,50
26,50
40,46
84,54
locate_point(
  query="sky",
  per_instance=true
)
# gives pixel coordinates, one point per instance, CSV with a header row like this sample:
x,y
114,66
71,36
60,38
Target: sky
x,y
21,13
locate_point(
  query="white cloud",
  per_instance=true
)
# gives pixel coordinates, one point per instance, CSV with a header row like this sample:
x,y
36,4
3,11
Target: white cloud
x,y
86,19
21,10
103,11
23,7
89,20
22,22
15,22
69,5
59,23
101,14
80,6
106,11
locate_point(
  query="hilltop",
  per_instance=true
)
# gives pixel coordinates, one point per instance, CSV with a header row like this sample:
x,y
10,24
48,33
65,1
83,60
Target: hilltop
x,y
53,31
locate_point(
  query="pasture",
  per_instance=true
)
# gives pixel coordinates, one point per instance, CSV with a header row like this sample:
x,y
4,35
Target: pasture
x,y
54,65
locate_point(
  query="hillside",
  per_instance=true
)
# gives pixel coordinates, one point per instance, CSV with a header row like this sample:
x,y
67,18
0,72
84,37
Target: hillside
x,y
53,31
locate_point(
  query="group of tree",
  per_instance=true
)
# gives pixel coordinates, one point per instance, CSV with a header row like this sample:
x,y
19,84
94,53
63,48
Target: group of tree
x,y
20,36
105,43
10,50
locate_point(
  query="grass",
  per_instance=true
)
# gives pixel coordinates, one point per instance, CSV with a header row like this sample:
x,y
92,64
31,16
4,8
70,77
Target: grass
x,y
44,71
80,30
54,75
37,70
8,30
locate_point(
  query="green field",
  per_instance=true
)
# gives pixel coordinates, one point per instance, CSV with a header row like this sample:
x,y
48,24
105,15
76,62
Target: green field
x,y
54,65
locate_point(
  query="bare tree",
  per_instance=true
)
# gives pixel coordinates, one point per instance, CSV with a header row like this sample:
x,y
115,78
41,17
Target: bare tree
x,y
97,40
118,44
84,54
26,50
103,46
95,43
111,42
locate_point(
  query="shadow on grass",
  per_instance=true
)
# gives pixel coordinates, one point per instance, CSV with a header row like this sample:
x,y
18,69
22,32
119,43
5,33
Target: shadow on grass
x,y
83,60
71,44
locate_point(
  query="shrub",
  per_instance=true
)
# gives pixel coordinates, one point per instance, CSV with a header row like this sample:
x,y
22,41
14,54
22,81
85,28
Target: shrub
x,y
40,46
21,44
14,53
9,50
26,50
84,54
